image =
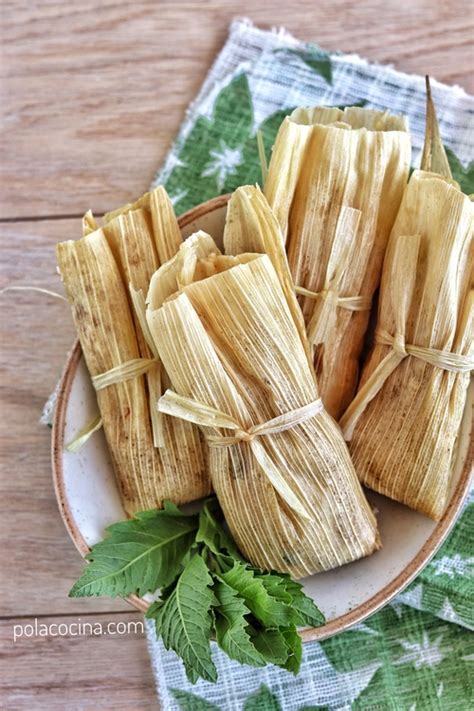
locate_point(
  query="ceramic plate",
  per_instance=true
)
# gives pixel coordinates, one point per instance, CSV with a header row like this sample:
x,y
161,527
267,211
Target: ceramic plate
x,y
89,500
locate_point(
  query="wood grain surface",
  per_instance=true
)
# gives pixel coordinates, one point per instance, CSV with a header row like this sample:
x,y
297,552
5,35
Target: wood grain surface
x,y
92,94
102,670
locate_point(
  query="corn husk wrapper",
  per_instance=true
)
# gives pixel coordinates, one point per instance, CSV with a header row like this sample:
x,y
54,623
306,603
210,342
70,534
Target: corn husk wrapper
x,y
229,343
159,209
96,292
324,162
251,227
106,275
404,421
130,238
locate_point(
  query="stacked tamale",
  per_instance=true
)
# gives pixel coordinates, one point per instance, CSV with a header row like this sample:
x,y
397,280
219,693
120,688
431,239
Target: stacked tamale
x,y
404,421
239,366
324,161
105,274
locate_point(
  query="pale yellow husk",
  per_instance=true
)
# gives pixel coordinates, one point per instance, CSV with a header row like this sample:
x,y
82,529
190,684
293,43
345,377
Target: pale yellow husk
x,y
158,206
405,419
326,161
106,275
251,227
130,237
229,343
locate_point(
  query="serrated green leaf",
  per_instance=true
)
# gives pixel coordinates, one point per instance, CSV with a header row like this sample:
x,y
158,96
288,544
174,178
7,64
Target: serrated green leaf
x,y
212,533
462,175
262,700
295,649
271,644
307,610
269,611
184,621
192,702
231,626
154,608
275,584
139,555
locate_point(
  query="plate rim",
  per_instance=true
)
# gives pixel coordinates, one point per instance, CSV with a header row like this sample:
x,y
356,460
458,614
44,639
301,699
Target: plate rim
x,y
338,624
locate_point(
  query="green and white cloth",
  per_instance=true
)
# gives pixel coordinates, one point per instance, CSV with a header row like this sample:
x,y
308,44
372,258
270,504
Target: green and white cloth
x,y
415,654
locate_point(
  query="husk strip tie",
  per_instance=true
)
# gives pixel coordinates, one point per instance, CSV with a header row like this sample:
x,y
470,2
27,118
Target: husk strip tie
x,y
404,263
205,416
125,371
323,319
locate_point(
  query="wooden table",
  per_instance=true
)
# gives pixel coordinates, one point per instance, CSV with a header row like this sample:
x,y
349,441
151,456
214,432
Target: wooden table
x,y
92,96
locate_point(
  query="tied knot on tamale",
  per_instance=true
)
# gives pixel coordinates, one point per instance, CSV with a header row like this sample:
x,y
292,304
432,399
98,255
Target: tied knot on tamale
x,y
200,414
397,342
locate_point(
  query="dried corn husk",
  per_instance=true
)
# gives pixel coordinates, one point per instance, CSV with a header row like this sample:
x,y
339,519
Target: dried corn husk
x,y
130,237
161,213
324,162
404,421
278,463
97,295
251,226
106,275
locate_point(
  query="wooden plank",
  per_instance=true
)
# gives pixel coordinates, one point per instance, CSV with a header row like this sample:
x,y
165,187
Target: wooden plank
x,y
37,559
90,672
92,96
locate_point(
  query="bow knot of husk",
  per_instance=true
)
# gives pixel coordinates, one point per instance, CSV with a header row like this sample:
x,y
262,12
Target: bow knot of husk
x,y
206,416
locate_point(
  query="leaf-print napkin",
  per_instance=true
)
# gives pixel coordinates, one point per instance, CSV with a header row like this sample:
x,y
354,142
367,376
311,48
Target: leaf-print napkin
x,y
414,654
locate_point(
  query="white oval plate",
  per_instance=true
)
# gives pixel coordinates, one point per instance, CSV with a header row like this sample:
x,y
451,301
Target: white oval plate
x,y
89,501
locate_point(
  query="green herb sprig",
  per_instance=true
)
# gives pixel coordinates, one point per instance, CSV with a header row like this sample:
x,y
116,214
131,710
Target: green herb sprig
x,y
207,590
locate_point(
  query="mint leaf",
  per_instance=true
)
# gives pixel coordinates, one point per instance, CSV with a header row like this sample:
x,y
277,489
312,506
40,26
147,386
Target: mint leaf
x,y
232,627
192,702
212,533
184,620
308,613
207,590
295,648
269,611
290,592
271,644
276,585
139,555
262,700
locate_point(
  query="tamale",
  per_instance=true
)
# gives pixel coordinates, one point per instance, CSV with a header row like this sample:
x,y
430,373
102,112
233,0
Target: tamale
x,y
130,238
324,162
107,295
135,236
97,295
403,422
278,462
